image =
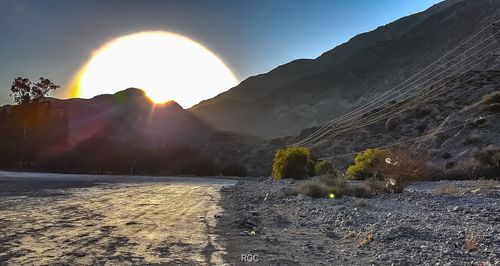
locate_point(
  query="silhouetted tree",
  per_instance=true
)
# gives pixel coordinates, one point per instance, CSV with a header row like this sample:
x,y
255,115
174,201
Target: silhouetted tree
x,y
24,91
28,95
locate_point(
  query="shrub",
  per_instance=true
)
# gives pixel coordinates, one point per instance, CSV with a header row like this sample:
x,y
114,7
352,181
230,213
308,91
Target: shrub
x,y
364,164
234,170
332,179
489,156
472,140
470,242
494,107
461,170
446,189
324,188
293,162
314,188
359,203
397,168
331,187
402,168
365,240
373,186
491,102
491,98
323,168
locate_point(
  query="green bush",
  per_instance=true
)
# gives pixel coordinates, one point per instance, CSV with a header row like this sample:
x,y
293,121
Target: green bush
x,y
323,168
293,162
365,163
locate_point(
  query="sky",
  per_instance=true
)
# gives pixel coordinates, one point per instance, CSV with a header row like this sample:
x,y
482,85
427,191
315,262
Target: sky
x,y
55,38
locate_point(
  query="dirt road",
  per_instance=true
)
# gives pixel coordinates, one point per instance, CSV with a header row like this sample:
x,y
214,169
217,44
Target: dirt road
x,y
50,219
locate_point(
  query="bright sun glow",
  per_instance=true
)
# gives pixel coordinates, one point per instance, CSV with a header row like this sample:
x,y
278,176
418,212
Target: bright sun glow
x,y
165,65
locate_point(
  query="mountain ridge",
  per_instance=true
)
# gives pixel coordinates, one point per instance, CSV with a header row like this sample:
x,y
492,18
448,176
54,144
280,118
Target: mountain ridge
x,y
128,115
392,53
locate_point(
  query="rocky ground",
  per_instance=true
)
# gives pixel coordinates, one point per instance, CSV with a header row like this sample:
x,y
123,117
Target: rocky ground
x,y
430,223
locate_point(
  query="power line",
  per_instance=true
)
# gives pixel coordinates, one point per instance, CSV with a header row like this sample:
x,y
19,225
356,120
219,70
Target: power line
x,y
325,127
361,126
406,106
422,98
413,139
390,106
385,95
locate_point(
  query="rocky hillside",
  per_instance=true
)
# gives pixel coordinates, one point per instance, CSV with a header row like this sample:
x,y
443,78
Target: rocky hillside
x,y
451,124
306,93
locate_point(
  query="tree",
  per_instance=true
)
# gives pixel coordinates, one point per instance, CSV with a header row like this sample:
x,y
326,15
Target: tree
x,y
24,91
28,95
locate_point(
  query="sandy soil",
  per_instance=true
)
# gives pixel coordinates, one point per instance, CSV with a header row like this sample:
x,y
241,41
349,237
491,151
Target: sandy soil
x,y
81,220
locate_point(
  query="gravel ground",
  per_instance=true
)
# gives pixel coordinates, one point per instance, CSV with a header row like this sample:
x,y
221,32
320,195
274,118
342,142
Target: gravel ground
x,y
430,223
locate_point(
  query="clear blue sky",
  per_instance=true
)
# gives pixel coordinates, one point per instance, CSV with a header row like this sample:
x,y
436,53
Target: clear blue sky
x,y
54,38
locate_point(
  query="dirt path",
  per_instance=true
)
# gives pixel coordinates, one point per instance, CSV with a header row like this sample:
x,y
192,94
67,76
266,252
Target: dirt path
x,y
47,222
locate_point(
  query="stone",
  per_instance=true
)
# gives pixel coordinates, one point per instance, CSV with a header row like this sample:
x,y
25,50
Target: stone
x,y
383,257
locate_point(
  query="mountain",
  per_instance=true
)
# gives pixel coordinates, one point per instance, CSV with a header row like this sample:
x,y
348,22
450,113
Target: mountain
x,y
308,92
121,133
452,122
129,116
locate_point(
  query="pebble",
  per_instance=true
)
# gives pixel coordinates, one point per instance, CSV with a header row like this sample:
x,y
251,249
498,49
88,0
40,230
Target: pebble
x,y
383,257
411,228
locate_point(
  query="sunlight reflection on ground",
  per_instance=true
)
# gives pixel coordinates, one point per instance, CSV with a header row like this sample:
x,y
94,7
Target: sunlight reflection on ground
x,y
151,223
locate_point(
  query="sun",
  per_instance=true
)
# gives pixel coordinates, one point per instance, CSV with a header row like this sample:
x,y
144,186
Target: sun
x,y
167,66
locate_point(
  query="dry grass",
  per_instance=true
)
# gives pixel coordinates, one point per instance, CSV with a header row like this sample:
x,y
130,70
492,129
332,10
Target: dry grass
x,y
328,187
314,188
403,169
374,186
491,98
461,170
470,242
489,156
366,239
446,189
486,185
351,235
491,102
361,239
359,203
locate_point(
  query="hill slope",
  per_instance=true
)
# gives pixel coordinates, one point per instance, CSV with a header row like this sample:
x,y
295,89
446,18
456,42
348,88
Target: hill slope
x,y
306,93
129,116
